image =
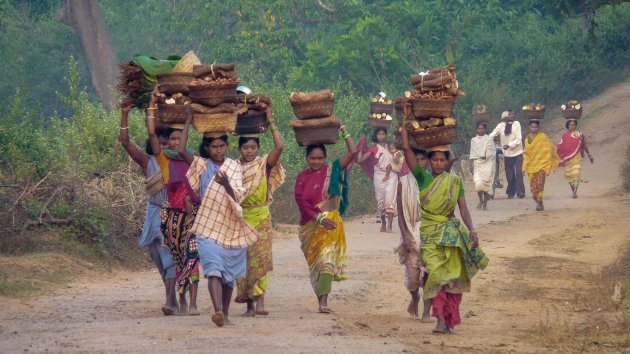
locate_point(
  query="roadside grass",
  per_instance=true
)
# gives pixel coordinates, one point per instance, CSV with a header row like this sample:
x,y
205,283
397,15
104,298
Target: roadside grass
x,y
602,314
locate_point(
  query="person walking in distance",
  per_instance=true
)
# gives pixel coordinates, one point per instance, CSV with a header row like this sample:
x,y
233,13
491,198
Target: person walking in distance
x,y
509,131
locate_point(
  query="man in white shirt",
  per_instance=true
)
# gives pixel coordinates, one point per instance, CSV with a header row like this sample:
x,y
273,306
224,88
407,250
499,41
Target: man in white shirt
x,y
511,137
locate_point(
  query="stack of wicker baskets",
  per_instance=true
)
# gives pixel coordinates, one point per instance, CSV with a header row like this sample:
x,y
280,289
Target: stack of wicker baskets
x,y
213,93
381,109
571,110
173,97
252,114
433,100
315,123
173,92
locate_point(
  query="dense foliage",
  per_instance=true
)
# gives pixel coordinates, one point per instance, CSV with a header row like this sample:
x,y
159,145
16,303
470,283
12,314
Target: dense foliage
x,y
507,52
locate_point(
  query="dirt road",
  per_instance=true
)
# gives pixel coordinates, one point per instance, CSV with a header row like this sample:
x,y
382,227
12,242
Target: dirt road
x,y
539,284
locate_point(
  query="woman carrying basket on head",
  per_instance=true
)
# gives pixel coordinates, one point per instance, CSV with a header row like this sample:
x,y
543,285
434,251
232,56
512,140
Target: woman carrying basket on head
x,y
261,177
450,250
380,159
177,213
571,150
540,158
221,232
156,196
321,193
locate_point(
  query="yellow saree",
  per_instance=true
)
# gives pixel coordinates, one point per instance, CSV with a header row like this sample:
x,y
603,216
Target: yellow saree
x,y
259,188
324,250
447,251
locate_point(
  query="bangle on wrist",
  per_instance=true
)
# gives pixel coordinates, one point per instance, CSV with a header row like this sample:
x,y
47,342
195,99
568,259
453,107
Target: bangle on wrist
x,y
345,135
123,128
319,218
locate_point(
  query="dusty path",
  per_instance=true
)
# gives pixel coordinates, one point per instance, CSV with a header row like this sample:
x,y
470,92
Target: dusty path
x,y
542,267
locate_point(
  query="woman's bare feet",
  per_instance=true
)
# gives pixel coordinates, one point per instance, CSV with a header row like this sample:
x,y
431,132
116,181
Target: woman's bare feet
x,y
167,311
183,305
218,318
325,310
251,311
426,312
412,309
323,304
427,319
260,306
192,310
440,327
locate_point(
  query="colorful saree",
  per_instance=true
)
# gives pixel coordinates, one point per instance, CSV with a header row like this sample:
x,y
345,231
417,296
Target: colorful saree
x,y
447,251
540,158
259,185
324,250
178,239
570,152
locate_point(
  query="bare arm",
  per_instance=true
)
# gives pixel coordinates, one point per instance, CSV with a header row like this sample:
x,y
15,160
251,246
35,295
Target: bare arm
x,y
388,171
222,179
138,156
588,153
363,155
183,152
352,149
151,117
274,155
410,157
467,219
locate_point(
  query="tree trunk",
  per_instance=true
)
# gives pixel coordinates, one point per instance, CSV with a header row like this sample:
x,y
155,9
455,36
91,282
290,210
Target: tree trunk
x,y
84,16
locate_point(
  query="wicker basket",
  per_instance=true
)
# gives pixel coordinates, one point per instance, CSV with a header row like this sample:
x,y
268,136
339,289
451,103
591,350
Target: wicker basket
x,y
379,123
399,112
572,113
220,122
172,113
252,124
482,117
398,141
444,135
325,134
425,108
171,83
171,89
213,95
378,107
533,114
314,109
